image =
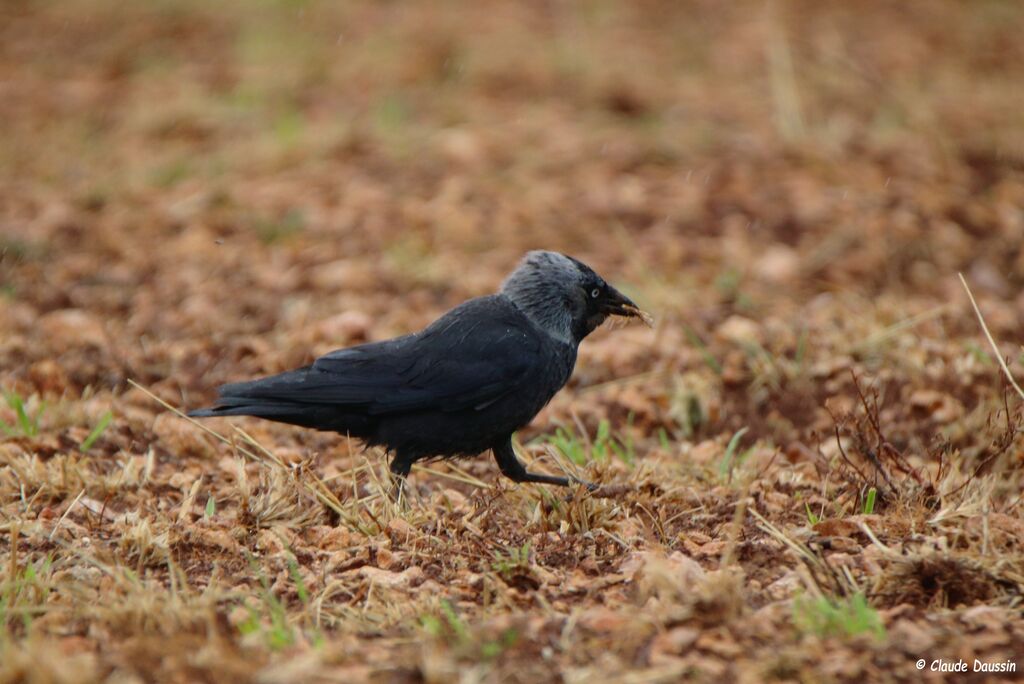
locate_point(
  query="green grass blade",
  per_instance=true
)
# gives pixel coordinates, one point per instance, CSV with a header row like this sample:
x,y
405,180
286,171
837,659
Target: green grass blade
x,y
811,518
869,503
96,431
15,402
300,584
730,452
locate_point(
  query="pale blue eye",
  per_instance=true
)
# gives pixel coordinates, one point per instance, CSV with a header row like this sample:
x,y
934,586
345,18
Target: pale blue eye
x,y
595,293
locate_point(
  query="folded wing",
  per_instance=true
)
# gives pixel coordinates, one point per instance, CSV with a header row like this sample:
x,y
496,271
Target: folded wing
x,y
468,359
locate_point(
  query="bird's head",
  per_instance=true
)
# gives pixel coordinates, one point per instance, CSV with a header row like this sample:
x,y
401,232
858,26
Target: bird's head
x,y
564,296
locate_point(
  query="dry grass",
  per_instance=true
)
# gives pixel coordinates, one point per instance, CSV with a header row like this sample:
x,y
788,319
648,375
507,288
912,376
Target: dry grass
x,y
810,467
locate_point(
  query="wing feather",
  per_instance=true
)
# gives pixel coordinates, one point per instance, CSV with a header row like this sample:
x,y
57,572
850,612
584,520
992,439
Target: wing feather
x,y
470,358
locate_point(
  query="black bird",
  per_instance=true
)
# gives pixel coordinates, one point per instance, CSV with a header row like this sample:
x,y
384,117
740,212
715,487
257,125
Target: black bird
x,y
458,387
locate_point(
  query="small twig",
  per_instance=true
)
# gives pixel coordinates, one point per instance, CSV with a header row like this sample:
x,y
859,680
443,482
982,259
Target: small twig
x,y
871,412
799,549
872,416
874,540
839,443
873,458
768,465
660,527
991,341
66,512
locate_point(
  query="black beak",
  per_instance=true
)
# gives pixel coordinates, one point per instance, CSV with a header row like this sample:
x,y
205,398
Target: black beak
x,y
618,304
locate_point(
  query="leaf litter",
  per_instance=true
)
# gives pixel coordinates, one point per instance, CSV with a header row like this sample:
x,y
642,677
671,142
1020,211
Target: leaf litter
x,y
810,467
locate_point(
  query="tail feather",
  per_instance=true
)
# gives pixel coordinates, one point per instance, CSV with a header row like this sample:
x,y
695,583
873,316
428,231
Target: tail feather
x,y
209,412
257,398
257,409
265,388
316,416
284,398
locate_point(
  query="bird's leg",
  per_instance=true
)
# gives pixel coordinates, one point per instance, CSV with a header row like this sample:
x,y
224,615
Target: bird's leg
x,y
401,464
514,469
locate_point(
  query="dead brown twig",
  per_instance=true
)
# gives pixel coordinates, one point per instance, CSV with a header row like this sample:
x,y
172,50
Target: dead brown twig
x,y
991,340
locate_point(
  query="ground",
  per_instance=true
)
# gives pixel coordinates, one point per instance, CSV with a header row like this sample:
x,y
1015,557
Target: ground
x,y
811,468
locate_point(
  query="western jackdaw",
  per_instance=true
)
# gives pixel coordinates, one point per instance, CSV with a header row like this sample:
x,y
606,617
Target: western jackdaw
x,y
458,387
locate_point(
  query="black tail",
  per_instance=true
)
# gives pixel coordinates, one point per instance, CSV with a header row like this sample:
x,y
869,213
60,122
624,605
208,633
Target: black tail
x,y
262,399
248,407
316,416
210,412
259,398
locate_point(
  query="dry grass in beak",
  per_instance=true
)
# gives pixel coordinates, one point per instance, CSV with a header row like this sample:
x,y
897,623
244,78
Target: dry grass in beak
x,y
647,318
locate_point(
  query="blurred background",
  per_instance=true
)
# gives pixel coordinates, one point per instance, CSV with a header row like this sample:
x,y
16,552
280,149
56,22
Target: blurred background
x,y
195,192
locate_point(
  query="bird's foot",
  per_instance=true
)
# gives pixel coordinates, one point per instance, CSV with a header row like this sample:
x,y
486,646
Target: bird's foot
x,y
591,487
574,483
608,491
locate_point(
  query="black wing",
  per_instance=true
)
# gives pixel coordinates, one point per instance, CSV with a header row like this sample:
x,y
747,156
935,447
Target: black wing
x,y
469,358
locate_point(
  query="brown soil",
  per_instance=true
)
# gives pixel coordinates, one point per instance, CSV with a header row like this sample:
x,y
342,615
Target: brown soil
x,y
194,193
